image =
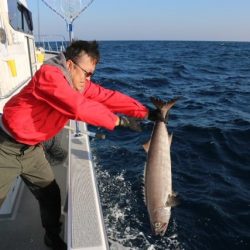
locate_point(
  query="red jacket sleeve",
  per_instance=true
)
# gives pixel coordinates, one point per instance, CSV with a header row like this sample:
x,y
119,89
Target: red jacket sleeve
x,y
51,86
115,100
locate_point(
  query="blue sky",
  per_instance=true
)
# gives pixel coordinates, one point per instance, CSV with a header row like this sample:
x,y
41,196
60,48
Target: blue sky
x,y
209,20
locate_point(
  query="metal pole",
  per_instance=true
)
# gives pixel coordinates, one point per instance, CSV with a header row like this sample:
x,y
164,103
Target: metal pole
x,y
78,131
70,29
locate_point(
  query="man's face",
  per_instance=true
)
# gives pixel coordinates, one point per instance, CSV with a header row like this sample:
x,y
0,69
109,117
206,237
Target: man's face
x,y
81,70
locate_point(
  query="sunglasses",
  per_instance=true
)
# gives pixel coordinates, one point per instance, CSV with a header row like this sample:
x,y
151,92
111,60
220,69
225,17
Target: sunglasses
x,y
85,72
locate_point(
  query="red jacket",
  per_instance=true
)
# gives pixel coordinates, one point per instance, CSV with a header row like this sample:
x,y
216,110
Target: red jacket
x,y
43,107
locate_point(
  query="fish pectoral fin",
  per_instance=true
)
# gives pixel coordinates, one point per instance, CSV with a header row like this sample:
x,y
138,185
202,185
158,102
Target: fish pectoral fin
x,y
175,194
173,200
146,146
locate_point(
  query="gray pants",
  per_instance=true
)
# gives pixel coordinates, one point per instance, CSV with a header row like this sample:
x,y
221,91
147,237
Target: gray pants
x,y
29,162
17,159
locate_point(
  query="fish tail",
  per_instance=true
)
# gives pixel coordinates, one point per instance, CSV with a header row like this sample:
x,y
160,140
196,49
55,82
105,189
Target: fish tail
x,y
164,106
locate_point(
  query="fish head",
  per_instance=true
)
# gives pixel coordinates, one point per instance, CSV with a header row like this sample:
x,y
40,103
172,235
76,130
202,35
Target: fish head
x,y
159,228
160,220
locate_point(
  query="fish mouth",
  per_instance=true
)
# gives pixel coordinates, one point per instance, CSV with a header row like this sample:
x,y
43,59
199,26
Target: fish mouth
x,y
160,229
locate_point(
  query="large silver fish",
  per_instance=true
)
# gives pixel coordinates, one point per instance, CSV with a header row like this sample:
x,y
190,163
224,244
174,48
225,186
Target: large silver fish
x,y
159,196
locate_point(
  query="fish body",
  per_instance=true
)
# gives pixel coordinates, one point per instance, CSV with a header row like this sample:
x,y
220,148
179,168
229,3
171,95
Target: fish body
x,y
159,196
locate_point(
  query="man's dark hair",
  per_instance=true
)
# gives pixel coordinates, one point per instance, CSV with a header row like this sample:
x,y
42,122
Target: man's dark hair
x,y
78,48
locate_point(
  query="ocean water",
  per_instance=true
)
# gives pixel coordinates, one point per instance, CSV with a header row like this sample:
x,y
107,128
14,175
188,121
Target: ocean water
x,y
210,148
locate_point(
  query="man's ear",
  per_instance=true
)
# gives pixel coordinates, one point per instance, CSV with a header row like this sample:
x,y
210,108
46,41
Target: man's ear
x,y
69,65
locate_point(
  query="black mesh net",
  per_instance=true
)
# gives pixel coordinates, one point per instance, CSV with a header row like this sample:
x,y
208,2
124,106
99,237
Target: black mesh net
x,y
56,149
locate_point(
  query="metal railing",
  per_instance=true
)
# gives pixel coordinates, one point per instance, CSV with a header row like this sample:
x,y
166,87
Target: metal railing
x,y
52,43
85,223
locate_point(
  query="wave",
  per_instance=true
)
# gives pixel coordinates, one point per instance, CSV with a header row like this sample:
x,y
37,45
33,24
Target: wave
x,y
110,70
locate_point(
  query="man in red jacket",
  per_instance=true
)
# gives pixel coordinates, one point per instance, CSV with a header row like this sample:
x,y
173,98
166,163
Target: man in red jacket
x,y
60,90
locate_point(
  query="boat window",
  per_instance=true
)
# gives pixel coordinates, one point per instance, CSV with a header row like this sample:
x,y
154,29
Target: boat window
x,y
20,17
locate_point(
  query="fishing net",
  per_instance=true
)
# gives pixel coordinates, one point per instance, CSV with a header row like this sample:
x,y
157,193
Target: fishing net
x,y
69,10
56,148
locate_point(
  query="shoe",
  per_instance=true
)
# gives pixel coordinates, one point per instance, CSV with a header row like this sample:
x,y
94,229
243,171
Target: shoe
x,y
54,242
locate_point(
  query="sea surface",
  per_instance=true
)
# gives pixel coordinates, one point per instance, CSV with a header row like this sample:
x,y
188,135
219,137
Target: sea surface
x,y
210,149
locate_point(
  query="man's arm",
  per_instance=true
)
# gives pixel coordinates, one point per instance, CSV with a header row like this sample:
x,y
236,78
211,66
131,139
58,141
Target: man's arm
x,y
52,88
116,101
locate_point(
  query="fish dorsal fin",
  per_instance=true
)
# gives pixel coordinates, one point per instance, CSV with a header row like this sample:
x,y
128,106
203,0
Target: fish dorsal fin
x,y
172,200
170,139
146,146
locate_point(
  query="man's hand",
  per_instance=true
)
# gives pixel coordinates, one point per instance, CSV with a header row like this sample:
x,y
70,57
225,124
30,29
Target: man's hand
x,y
129,122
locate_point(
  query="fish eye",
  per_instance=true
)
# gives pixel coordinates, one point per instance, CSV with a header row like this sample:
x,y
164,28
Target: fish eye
x,y
157,225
